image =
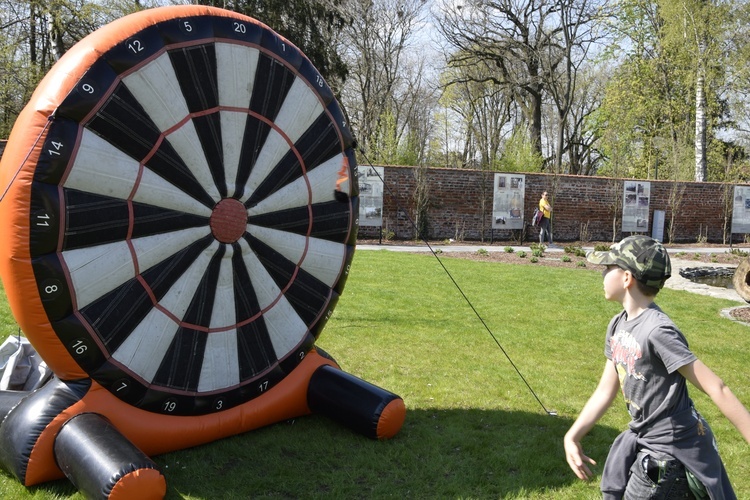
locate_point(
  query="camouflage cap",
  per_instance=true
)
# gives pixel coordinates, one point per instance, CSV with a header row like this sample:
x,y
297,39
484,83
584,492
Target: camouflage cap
x,y
645,257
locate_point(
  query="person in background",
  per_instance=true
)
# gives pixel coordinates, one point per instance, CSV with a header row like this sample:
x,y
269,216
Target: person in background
x,y
544,225
668,450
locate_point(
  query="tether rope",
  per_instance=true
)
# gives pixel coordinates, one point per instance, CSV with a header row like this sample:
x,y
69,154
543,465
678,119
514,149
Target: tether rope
x,y
460,290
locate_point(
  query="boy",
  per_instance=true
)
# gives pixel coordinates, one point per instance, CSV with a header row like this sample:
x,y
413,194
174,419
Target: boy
x,y
668,450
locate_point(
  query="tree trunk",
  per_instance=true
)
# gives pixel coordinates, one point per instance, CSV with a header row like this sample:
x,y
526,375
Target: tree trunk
x,y
700,127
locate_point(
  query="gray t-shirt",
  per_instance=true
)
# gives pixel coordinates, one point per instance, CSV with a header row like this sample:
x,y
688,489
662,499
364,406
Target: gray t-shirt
x,y
647,352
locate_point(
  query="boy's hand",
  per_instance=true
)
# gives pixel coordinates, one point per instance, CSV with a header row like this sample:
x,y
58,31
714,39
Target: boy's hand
x,y
577,460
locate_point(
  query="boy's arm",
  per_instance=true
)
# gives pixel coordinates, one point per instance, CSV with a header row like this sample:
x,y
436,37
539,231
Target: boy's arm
x,y
597,405
707,381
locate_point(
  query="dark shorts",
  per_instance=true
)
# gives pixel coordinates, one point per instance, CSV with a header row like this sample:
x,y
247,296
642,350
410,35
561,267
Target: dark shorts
x,y
657,479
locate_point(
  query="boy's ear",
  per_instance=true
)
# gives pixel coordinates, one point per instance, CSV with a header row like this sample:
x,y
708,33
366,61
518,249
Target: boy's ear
x,y
628,279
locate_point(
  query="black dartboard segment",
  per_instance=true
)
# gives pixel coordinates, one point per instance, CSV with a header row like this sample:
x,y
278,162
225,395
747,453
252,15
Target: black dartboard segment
x,y
187,237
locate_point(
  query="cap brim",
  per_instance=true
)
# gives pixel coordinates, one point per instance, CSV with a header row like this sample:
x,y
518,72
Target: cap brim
x,y
602,258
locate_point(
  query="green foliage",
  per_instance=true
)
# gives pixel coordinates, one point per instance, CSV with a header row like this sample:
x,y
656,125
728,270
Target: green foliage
x,y
519,154
521,254
482,251
575,250
566,258
648,115
601,247
35,34
509,249
534,259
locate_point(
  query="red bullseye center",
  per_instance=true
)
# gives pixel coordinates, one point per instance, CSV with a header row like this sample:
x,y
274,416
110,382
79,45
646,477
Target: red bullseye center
x,y
228,220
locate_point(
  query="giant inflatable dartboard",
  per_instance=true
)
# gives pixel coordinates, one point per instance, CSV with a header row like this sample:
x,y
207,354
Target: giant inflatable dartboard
x,y
169,198
179,215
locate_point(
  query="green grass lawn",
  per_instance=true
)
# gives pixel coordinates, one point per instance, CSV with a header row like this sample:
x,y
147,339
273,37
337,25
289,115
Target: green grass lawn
x,y
473,428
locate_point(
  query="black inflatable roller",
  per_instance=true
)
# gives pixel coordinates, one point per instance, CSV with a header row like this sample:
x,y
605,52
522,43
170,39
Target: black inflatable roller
x,y
355,403
9,400
102,463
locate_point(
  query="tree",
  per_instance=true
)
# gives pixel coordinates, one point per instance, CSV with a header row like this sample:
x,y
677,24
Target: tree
x,y
312,25
510,37
34,35
579,30
694,31
484,113
673,67
375,43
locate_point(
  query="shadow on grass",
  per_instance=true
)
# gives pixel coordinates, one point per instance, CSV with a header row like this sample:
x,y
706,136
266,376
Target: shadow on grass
x,y
455,453
439,453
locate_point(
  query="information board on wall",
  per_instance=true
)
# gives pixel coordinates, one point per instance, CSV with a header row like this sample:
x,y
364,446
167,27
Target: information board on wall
x,y
370,196
741,210
507,201
635,204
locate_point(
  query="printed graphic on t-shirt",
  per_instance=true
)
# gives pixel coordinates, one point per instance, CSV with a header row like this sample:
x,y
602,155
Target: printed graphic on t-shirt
x,y
625,352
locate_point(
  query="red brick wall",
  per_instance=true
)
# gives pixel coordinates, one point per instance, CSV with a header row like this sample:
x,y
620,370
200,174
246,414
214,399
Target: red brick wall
x,y
456,207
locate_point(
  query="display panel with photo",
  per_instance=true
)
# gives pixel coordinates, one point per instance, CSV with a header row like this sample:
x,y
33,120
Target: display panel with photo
x,y
370,196
741,210
636,200
507,201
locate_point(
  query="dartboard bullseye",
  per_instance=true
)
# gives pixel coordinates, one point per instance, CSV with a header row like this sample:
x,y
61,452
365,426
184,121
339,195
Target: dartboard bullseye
x,y
228,220
187,231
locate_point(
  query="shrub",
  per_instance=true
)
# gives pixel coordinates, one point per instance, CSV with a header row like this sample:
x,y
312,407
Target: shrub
x,y
565,258
538,252
533,259
581,263
575,250
482,251
522,254
601,248
509,250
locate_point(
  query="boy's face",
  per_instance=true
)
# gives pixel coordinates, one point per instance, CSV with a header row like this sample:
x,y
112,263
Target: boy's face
x,y
614,281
